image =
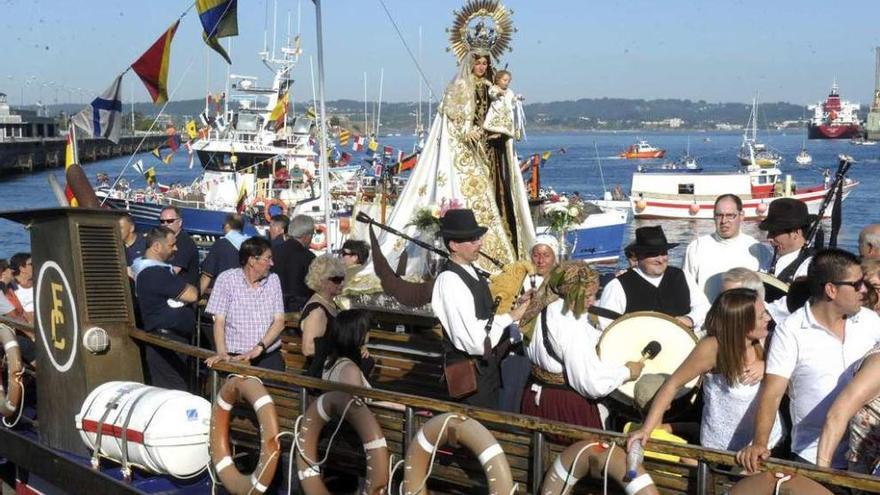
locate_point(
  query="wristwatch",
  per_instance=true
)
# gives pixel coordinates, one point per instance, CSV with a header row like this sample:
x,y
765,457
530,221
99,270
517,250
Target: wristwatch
x,y
261,345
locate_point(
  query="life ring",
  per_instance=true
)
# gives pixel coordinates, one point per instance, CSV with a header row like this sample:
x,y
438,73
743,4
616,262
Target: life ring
x,y
250,389
267,208
587,458
11,400
778,483
468,433
322,243
340,405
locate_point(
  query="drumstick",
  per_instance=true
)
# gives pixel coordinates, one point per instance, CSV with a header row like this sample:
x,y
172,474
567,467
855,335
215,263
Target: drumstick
x,y
650,351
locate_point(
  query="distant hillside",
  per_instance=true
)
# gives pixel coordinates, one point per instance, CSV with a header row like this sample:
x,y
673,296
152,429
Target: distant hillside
x,y
586,113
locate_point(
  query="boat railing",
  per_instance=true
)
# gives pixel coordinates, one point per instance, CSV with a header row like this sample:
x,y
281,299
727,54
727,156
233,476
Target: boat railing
x,y
540,429
540,432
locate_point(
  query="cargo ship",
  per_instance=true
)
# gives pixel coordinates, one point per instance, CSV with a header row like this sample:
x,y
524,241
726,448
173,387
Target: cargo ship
x,y
834,118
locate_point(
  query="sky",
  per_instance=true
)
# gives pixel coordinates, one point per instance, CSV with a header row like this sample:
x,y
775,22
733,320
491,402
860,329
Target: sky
x,y
718,51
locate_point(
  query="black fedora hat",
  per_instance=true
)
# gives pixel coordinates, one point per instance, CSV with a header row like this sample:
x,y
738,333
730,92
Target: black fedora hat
x,y
650,239
460,225
786,214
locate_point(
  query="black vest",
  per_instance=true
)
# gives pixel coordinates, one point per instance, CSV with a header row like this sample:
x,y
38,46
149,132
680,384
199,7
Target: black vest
x,y
479,288
672,297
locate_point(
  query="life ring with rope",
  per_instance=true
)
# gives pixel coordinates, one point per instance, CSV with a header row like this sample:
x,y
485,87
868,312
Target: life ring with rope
x,y
464,431
10,401
597,460
319,240
267,208
307,435
251,390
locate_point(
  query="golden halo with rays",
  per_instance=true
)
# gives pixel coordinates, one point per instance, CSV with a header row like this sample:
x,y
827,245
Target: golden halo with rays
x,y
491,11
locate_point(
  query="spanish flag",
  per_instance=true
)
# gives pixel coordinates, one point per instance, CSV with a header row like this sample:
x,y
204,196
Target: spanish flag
x,y
280,110
152,67
219,19
70,158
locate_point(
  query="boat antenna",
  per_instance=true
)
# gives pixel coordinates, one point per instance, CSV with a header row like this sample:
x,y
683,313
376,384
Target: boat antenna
x,y
408,50
322,116
599,163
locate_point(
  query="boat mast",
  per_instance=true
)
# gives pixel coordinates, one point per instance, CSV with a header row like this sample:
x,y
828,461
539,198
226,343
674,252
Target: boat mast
x,y
366,110
325,173
379,102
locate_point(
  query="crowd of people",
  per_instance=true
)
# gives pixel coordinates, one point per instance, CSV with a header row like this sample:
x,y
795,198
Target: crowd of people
x,y
822,351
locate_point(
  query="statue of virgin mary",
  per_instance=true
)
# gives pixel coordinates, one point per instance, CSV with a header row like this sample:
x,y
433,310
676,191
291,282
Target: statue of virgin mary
x,y
457,165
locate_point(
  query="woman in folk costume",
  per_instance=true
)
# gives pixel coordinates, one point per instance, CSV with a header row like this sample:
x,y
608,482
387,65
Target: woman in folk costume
x,y
567,374
457,163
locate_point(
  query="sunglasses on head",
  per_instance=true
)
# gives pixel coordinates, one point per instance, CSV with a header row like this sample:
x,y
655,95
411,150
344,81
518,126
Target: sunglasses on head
x,y
336,280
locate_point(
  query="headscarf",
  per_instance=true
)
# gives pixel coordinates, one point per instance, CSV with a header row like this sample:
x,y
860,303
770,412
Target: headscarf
x,y
572,281
547,240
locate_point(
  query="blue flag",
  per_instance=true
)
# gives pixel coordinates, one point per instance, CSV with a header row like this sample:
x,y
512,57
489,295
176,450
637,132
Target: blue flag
x,y
103,116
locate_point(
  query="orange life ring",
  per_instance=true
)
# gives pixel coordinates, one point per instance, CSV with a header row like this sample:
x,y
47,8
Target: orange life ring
x,y
250,389
588,458
267,208
345,225
10,402
334,405
468,433
319,245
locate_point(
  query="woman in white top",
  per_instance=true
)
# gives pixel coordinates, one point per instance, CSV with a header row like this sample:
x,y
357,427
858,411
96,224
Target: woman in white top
x,y
731,360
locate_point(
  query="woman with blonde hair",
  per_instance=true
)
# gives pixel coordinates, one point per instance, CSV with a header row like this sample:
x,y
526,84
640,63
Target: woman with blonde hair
x,y
731,360
325,277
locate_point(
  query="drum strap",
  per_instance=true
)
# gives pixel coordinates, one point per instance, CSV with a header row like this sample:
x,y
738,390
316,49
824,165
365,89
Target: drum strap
x,y
603,312
546,338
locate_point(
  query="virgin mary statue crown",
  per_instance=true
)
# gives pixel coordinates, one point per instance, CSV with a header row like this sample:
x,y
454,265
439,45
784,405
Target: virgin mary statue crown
x,y
482,27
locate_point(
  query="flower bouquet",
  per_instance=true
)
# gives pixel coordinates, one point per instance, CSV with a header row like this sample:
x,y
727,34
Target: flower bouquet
x,y
562,214
427,218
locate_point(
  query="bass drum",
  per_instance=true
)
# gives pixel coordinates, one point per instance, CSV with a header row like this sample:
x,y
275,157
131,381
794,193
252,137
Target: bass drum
x,y
624,340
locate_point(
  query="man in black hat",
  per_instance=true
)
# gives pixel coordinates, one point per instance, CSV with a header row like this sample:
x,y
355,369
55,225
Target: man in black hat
x,y
653,285
463,303
787,224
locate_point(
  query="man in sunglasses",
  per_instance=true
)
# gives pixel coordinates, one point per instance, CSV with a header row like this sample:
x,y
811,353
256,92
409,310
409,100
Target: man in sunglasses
x,y
653,285
186,259
813,355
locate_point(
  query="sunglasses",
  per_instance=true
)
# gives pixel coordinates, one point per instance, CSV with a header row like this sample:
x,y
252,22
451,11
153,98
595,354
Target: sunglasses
x,y
856,284
168,220
348,253
336,280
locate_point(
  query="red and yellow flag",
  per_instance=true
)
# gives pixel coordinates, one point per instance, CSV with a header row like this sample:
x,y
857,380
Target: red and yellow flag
x,y
279,113
70,158
152,67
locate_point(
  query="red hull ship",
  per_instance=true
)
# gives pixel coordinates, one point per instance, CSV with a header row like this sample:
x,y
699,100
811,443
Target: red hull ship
x,y
834,118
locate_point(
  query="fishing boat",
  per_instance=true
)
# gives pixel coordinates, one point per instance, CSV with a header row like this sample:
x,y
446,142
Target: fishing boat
x,y
642,150
691,195
834,118
861,141
254,164
753,153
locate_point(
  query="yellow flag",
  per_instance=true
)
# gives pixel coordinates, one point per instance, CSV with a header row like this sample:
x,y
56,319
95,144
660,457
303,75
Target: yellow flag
x,y
546,155
311,114
374,145
191,130
280,109
344,135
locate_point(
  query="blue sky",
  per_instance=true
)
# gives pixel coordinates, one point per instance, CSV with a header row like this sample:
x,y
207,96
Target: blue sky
x,y
785,50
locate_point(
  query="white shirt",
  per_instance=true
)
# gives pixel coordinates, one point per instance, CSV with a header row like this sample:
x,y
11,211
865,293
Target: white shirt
x,y
614,298
819,366
574,341
453,304
711,255
786,259
26,298
778,309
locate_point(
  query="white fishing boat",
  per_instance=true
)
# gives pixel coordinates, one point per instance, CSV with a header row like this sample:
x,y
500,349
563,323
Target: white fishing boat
x,y
691,195
803,158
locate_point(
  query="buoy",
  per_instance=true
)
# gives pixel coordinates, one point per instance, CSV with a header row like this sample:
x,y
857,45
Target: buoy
x,y
693,209
641,205
761,208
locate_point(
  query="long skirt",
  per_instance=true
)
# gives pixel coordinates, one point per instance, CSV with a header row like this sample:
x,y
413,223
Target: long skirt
x,y
561,404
